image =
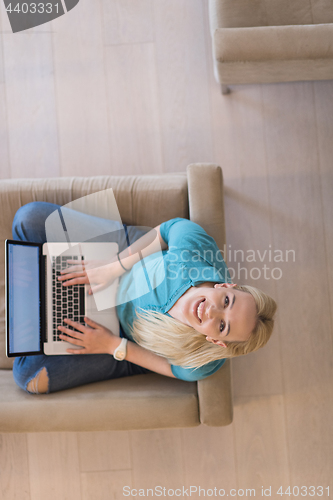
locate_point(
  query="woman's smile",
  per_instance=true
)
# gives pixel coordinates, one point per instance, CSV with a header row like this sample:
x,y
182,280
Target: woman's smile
x,y
220,312
199,309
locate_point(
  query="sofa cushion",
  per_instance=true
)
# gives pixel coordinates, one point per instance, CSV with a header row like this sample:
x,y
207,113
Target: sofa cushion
x,y
140,402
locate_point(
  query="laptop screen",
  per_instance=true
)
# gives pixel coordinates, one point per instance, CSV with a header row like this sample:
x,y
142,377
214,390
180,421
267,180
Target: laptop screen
x,y
23,299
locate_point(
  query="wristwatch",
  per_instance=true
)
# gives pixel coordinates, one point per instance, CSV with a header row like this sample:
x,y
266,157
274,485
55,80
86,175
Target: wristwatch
x,y
121,351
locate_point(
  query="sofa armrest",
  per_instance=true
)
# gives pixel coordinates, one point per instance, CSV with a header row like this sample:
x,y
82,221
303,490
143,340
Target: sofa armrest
x,y
273,43
206,208
215,397
206,205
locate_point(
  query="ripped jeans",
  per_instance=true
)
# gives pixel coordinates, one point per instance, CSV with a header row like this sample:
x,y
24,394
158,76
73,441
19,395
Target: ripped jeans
x,y
65,372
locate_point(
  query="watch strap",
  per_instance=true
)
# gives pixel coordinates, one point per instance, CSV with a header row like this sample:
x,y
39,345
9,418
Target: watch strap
x,y
121,351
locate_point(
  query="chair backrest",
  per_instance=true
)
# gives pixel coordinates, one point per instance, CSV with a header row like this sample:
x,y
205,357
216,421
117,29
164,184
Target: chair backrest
x,y
247,13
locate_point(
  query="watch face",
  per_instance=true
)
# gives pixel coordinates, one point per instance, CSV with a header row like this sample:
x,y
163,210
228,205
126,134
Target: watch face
x,y
120,355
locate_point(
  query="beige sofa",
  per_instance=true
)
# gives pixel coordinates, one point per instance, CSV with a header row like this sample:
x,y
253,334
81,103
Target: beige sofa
x,y
256,41
143,401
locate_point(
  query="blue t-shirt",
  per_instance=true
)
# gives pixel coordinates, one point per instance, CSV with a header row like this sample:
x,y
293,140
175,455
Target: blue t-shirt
x,y
192,258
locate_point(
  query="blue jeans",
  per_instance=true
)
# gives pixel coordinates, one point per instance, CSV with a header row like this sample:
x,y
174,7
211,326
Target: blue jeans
x,y
65,372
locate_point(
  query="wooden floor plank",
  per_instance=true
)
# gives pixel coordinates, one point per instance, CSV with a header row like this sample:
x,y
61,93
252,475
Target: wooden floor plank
x,y
209,458
2,72
81,91
182,77
96,451
31,107
157,459
14,468
108,485
4,152
54,466
133,109
127,21
261,445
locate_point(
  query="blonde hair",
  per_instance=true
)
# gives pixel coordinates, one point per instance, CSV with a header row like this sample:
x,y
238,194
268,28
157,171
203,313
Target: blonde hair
x,y
183,345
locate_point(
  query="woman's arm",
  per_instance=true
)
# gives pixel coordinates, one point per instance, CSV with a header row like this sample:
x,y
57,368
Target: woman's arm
x,y
148,244
96,339
103,273
147,359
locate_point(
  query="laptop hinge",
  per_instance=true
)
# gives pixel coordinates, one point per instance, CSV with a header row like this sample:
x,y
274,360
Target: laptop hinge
x,y
44,300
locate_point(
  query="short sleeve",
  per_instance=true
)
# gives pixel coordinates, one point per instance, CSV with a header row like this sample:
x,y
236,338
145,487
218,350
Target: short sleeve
x,y
194,245
194,374
166,227
185,232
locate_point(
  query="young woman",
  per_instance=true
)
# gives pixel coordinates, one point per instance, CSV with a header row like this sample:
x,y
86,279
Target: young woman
x,y
179,312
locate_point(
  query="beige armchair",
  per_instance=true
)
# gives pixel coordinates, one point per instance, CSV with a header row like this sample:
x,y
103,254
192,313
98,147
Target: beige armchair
x,y
260,41
144,401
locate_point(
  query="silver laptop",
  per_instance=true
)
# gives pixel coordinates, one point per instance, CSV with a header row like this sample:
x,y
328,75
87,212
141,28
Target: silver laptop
x,y
37,302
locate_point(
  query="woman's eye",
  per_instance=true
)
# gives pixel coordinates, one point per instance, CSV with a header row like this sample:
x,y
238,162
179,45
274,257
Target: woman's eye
x,y
226,302
222,326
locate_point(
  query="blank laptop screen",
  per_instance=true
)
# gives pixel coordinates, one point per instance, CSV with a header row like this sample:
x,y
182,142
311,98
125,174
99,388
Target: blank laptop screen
x,y
24,299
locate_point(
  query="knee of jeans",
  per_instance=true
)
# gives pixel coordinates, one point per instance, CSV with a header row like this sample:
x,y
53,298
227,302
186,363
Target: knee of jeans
x,y
39,384
16,222
20,216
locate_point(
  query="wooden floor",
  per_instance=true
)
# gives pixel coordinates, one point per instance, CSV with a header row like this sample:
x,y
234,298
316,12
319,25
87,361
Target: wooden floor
x,y
127,87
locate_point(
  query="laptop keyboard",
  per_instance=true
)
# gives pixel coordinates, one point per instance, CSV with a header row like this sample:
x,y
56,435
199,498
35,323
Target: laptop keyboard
x,y
68,301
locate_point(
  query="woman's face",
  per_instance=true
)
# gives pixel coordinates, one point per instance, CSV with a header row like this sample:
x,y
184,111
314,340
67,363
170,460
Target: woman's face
x,y
220,312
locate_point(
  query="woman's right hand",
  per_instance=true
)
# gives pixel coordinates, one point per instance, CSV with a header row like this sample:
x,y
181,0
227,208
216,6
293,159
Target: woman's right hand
x,y
99,274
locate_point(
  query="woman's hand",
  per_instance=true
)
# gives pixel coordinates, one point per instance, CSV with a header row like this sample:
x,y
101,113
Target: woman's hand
x,y
99,273
94,339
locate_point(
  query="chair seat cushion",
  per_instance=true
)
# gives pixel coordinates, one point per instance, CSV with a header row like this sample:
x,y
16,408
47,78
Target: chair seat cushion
x,y
250,13
279,43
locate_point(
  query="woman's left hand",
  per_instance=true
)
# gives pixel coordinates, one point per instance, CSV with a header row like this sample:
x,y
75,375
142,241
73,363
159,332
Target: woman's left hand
x,y
94,339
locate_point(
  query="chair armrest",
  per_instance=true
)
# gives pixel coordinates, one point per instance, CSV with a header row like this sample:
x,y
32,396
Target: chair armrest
x,y
268,43
206,207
